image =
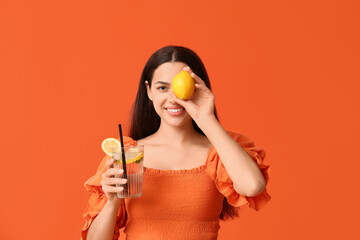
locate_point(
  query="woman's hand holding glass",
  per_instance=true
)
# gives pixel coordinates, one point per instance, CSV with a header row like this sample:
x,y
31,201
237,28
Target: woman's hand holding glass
x,y
109,181
200,106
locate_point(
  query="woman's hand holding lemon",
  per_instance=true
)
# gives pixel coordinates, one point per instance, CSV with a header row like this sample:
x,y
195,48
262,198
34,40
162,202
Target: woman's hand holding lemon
x,y
200,105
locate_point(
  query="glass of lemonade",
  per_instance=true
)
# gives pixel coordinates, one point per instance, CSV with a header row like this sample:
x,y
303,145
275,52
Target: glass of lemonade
x,y
134,156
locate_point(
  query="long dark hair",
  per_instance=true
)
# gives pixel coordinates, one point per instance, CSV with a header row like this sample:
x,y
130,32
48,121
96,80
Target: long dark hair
x,y
144,121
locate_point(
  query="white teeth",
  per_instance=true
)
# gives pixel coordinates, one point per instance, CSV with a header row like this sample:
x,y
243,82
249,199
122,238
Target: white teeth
x,y
175,110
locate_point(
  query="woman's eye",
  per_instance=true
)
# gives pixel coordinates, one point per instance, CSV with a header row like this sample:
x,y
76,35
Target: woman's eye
x,y
162,88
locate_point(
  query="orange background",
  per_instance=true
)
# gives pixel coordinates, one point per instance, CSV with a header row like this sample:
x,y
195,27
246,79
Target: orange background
x,y
284,73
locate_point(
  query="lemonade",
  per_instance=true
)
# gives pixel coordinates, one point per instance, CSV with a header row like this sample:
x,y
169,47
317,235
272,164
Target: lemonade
x,y
134,156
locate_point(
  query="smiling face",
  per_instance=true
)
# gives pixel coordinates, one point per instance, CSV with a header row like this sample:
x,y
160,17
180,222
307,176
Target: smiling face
x,y
169,111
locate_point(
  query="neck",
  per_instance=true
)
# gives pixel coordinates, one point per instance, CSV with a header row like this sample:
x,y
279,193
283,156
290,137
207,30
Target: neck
x,y
177,135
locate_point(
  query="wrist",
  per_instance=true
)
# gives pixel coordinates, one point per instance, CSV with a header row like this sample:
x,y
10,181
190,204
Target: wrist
x,y
114,204
206,123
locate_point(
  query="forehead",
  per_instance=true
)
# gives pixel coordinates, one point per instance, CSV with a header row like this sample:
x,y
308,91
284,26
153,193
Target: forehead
x,y
167,71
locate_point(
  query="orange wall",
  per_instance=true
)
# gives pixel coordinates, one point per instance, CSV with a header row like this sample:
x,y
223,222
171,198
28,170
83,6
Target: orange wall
x,y
284,73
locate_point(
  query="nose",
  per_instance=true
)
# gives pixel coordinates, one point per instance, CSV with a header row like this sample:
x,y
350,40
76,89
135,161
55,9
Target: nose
x,y
170,99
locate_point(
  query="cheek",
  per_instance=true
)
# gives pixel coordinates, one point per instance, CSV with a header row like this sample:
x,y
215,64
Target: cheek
x,y
159,102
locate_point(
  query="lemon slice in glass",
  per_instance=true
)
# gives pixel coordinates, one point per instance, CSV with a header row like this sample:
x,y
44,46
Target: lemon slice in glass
x,y
133,157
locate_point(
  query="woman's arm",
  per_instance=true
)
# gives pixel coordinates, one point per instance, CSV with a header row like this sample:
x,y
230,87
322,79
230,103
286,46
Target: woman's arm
x,y
102,228
243,171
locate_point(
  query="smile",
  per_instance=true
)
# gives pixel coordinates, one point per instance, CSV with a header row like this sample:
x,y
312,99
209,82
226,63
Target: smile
x,y
175,111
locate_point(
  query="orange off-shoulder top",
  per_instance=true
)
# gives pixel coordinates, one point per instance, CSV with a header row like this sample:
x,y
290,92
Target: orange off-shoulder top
x,y
177,204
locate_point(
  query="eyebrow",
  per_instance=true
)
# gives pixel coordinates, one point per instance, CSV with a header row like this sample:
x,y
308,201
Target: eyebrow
x,y
161,82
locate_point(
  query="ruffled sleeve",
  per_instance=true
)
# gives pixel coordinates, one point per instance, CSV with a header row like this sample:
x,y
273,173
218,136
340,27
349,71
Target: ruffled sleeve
x,y
98,198
216,170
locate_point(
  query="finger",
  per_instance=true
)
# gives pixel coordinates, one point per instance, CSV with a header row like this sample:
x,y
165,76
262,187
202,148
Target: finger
x,y
187,69
197,79
109,163
113,181
113,172
111,189
203,88
193,75
200,86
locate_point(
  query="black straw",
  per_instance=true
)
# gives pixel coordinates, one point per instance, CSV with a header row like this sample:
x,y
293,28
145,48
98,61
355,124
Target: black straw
x,y
123,158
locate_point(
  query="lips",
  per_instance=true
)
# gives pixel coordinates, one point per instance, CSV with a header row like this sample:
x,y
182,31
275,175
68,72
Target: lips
x,y
176,107
175,111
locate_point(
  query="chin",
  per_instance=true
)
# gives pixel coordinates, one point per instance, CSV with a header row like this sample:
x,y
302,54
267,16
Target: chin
x,y
174,123
177,122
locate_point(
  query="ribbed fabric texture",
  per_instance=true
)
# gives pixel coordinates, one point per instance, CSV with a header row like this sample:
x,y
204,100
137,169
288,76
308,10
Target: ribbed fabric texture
x,y
178,204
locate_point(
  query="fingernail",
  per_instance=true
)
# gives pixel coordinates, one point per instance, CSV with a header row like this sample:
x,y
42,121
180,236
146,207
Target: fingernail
x,y
120,171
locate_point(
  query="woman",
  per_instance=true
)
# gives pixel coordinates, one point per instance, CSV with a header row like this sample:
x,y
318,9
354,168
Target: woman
x,y
196,173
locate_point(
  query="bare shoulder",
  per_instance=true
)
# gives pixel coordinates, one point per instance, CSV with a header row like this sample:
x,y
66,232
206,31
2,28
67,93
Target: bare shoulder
x,y
149,140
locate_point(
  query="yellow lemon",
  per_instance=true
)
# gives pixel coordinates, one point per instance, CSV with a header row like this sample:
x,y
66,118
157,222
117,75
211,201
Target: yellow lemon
x,y
108,144
183,85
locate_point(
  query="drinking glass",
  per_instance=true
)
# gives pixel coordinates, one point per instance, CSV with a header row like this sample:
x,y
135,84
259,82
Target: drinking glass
x,y
134,156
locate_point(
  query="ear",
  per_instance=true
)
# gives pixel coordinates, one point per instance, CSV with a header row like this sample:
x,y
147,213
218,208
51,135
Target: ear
x,y
148,90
